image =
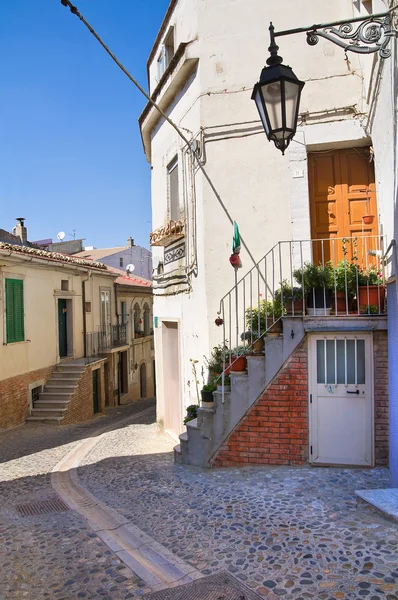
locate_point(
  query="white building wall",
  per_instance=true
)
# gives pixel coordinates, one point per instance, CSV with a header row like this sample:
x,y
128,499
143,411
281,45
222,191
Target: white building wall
x,y
256,184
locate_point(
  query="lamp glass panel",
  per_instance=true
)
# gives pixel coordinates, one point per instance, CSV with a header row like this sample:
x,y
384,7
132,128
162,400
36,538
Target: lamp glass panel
x,y
260,108
272,99
291,96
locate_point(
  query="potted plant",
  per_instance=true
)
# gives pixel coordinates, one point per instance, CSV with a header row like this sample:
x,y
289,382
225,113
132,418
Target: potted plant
x,y
371,309
317,282
290,297
371,288
265,318
255,342
346,274
192,413
207,395
227,384
238,361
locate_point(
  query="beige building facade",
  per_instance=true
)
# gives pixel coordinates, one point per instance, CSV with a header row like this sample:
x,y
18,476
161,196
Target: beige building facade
x,y
64,341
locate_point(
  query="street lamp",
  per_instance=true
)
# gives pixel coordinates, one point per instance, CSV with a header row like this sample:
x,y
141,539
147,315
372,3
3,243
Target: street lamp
x,y
277,94
277,97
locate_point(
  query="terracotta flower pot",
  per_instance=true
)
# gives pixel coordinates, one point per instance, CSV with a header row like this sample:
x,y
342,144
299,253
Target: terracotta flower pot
x,y
258,346
369,295
340,300
238,363
294,307
368,219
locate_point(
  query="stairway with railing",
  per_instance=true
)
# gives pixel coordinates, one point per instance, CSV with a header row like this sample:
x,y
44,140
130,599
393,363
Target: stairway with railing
x,y
347,280
295,280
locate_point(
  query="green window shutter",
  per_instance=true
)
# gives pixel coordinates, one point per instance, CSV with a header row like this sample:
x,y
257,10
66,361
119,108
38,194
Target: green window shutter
x,y
14,311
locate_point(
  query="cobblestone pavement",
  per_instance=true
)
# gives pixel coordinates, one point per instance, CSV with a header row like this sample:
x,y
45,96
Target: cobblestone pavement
x,y
286,532
56,555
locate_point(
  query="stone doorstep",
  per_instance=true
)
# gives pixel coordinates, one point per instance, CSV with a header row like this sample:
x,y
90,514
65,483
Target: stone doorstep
x,y
385,501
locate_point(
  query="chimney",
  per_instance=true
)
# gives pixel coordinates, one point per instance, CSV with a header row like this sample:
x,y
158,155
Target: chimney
x,y
20,230
130,242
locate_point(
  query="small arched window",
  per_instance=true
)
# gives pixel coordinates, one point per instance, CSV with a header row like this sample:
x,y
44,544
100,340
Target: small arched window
x,y
137,319
147,316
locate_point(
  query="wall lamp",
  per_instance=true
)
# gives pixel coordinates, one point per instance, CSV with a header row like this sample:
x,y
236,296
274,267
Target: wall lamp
x,y
277,93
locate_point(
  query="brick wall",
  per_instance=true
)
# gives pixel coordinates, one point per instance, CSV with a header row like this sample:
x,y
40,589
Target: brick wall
x,y
81,406
380,359
14,396
275,429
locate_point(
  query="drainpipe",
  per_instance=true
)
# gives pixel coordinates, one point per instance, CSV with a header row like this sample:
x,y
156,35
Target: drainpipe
x,y
84,312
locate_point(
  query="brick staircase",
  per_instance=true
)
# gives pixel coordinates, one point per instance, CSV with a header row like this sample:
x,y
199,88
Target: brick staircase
x,y
207,433
54,400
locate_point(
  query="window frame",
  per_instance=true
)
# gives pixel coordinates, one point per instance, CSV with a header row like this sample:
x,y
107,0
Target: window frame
x,y
15,333
173,206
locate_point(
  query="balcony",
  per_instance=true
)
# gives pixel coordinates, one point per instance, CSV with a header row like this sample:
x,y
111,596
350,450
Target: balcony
x,y
101,343
166,235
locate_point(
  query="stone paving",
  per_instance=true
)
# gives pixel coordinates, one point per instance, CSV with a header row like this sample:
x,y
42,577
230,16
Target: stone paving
x,y
54,556
286,532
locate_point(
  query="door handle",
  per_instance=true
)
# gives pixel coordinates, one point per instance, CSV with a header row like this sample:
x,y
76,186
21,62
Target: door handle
x,y
356,392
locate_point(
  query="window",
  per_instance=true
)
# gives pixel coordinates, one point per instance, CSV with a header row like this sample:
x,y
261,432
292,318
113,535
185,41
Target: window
x,y
121,261
105,310
124,313
64,285
166,53
88,307
14,311
36,393
174,202
146,319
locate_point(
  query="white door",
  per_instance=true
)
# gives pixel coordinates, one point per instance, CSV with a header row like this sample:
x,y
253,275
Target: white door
x,y
341,399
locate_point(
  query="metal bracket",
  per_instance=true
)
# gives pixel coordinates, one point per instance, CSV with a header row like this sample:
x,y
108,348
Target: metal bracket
x,y
372,34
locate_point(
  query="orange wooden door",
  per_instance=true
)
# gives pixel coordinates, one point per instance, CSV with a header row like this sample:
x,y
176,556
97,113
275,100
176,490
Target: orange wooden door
x,y
342,192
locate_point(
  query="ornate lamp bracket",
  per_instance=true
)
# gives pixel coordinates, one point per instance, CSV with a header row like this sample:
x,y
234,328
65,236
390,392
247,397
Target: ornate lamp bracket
x,y
363,35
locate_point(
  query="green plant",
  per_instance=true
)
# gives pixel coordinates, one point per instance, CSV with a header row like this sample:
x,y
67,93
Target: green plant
x,y
315,276
370,276
288,293
262,318
370,309
346,277
192,413
209,387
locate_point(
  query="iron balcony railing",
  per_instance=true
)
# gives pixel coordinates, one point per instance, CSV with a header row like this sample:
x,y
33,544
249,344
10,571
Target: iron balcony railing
x,y
99,343
340,277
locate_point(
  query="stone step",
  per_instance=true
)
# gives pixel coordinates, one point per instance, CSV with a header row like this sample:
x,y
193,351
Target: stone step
x,y
58,404
183,437
55,395
53,420
177,454
72,380
67,376
53,387
48,412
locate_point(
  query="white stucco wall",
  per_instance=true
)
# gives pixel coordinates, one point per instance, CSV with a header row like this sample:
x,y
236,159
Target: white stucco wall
x,y
256,184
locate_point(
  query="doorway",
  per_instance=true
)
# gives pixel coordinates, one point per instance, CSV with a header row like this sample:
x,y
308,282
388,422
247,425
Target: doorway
x,y
62,328
341,399
342,191
106,383
171,378
96,391
143,393
124,387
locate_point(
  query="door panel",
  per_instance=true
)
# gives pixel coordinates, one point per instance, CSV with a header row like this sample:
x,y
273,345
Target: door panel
x,y
173,420
342,191
341,412
62,328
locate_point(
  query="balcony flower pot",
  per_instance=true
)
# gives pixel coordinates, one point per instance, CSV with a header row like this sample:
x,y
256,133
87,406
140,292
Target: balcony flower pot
x,y
258,346
368,219
294,307
275,329
319,302
370,295
340,305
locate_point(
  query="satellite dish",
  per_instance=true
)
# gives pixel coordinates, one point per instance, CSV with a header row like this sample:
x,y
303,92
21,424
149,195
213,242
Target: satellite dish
x,y
61,235
130,268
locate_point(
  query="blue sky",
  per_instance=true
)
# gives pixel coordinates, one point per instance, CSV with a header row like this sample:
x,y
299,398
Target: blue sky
x,y
71,156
